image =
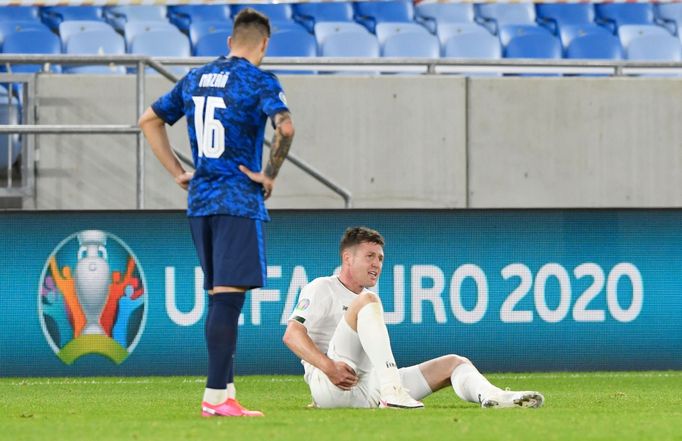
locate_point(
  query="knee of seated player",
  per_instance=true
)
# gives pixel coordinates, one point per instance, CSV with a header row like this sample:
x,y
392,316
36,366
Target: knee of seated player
x,y
360,302
453,361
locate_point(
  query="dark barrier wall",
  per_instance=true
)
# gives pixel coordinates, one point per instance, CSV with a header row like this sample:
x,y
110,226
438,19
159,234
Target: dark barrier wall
x,y
119,293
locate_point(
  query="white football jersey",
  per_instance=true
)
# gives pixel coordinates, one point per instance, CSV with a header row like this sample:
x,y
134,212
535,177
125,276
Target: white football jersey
x,y
320,307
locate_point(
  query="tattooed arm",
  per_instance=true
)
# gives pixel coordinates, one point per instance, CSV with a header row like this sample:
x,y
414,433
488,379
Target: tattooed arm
x,y
279,148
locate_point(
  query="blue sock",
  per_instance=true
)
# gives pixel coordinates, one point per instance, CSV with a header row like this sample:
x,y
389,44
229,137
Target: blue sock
x,y
222,324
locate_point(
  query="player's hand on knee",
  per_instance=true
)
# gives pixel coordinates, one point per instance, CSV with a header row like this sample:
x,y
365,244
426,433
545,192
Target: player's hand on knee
x,y
343,376
261,178
183,179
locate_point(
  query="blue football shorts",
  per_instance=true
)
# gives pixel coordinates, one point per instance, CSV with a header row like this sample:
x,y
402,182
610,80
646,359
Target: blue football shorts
x,y
231,250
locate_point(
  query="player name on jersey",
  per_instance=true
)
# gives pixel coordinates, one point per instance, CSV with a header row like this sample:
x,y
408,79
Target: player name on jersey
x,y
214,79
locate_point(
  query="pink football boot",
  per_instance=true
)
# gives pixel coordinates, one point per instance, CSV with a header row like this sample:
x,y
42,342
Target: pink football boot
x,y
231,407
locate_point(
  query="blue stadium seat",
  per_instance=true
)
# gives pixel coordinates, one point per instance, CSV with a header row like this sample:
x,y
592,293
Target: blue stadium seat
x,y
274,11
95,42
118,16
183,15
416,45
529,42
627,33
495,15
163,43
292,43
350,44
473,44
70,28
19,13
615,15
325,29
8,27
565,13
134,28
595,45
654,47
281,26
370,13
433,15
446,31
200,29
568,32
384,31
213,44
32,41
310,13
54,15
10,145
669,15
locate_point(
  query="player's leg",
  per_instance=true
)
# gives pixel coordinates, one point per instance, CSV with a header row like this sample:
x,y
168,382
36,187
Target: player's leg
x,y
467,382
365,316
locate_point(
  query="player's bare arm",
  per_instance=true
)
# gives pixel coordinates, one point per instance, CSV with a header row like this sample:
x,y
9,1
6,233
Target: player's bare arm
x,y
339,373
279,149
154,129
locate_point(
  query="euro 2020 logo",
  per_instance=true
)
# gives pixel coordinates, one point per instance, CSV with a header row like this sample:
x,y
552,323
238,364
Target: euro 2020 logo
x,y
92,298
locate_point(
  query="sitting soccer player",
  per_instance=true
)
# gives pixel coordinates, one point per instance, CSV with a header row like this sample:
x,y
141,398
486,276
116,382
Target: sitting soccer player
x,y
337,329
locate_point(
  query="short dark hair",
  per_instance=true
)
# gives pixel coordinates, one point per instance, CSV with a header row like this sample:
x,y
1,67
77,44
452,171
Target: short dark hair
x,y
357,235
250,19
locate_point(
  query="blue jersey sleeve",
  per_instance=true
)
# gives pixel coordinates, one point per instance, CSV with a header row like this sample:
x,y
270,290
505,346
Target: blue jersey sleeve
x,y
273,100
170,107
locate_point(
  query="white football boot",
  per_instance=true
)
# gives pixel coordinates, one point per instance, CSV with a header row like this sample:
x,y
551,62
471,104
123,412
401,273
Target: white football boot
x,y
396,397
513,399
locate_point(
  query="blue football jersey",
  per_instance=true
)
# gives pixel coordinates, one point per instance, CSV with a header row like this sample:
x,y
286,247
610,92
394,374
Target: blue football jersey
x,y
227,104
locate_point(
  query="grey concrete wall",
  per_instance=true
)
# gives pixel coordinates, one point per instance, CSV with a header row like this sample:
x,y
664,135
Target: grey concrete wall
x,y
393,142
575,142
403,142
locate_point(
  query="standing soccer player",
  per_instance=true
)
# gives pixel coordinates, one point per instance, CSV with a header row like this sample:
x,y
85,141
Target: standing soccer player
x,y
227,104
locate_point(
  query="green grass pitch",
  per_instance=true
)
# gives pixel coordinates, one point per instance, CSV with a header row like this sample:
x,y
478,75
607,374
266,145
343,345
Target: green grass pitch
x,y
579,406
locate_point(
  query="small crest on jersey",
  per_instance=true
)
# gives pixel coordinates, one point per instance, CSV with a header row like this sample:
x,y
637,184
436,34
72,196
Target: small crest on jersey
x,y
303,304
283,98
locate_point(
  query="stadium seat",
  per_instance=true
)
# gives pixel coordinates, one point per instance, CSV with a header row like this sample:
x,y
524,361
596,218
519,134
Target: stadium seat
x,y
350,44
8,27
200,29
370,13
529,42
654,47
565,13
54,15
615,15
10,146
292,43
600,45
568,32
19,13
446,31
134,28
281,26
32,41
163,43
325,29
213,44
69,28
414,45
274,11
434,15
118,16
95,42
495,15
471,42
669,15
627,33
386,30
308,14
183,15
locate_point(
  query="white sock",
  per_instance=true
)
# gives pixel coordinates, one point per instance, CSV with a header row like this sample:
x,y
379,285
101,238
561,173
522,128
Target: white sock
x,y
470,385
376,343
215,396
231,391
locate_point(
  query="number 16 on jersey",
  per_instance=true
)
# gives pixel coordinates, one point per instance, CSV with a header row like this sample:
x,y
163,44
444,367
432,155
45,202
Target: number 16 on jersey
x,y
210,132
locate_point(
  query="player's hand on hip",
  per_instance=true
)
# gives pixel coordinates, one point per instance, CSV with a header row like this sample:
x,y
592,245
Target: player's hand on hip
x,y
183,179
343,376
260,178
